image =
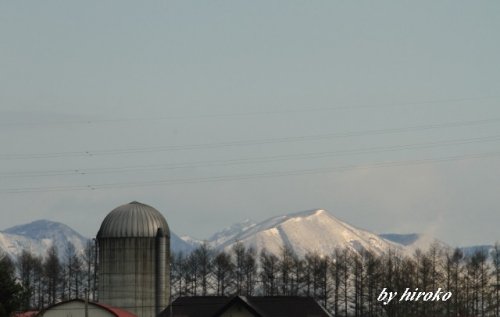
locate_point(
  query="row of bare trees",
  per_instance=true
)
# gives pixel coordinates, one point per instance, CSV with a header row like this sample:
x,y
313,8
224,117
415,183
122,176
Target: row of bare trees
x,y
347,283
53,278
11,292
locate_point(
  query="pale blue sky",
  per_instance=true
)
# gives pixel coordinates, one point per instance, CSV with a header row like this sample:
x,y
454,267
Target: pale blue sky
x,y
169,94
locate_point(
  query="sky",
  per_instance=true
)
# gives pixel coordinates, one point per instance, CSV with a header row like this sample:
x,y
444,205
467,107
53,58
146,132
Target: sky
x,y
385,113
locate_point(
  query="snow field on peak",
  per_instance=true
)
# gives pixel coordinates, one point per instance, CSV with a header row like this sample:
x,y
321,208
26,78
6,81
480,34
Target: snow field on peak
x,y
310,231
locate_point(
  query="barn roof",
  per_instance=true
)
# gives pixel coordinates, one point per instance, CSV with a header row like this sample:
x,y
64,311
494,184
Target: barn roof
x,y
29,313
260,306
117,312
196,306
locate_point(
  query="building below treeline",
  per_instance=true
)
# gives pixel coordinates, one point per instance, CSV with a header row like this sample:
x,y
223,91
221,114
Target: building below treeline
x,y
197,306
81,308
243,306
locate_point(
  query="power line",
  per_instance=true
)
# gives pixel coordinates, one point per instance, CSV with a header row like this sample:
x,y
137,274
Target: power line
x,y
275,158
250,142
253,113
246,176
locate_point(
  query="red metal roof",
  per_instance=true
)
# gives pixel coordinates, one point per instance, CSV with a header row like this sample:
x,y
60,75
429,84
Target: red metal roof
x,y
29,313
117,312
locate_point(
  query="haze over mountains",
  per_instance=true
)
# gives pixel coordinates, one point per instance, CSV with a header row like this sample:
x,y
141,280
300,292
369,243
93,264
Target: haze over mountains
x,y
314,230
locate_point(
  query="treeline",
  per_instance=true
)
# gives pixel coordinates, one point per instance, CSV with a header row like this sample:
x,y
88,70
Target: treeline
x,y
347,283
43,281
11,292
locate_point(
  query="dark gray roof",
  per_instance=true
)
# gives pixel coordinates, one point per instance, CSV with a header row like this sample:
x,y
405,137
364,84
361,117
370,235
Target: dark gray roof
x,y
133,220
196,306
260,306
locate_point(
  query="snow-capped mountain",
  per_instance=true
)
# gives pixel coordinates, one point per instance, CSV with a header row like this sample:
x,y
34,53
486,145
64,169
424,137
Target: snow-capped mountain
x,y
314,230
220,237
229,233
38,236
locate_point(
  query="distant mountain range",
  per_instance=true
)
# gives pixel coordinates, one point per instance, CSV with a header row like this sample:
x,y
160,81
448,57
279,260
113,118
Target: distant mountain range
x,y
314,230
317,230
38,236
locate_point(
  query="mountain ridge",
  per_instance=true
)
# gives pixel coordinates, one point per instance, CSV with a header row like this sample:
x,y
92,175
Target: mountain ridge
x,y
314,230
39,235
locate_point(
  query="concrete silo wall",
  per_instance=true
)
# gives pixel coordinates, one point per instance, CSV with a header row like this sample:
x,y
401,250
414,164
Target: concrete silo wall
x,y
128,274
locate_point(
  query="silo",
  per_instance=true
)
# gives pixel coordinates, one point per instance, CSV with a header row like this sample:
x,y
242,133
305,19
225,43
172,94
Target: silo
x,y
134,259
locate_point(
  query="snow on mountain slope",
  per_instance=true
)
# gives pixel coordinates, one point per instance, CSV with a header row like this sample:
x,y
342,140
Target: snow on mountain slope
x,y
192,241
38,236
228,233
12,245
314,230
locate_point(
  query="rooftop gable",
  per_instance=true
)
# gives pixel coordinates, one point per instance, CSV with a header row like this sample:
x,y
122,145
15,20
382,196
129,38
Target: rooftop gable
x,y
259,306
117,312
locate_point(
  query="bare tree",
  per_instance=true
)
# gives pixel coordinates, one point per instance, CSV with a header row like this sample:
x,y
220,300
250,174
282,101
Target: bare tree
x,y
26,263
373,283
239,263
223,270
52,270
453,272
269,272
495,255
73,269
202,258
192,273
11,292
89,269
286,269
249,271
39,282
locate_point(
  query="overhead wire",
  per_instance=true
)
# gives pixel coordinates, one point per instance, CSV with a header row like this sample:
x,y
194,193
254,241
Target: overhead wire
x,y
250,160
133,150
246,176
445,101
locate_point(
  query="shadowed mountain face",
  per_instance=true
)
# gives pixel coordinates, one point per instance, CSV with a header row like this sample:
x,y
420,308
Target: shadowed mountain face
x,y
403,239
179,245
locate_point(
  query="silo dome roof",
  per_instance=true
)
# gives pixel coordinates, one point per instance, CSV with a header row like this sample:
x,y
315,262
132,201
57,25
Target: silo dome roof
x,y
133,220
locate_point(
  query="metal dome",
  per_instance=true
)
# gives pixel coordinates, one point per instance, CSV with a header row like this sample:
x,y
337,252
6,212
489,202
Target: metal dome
x,y
133,220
